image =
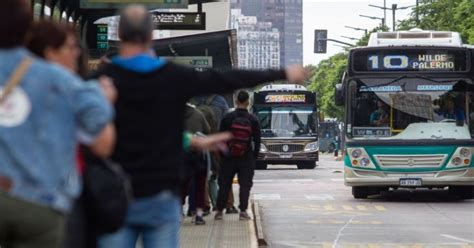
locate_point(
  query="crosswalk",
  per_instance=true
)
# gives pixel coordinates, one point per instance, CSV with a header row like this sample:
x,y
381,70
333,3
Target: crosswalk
x,y
340,208
369,245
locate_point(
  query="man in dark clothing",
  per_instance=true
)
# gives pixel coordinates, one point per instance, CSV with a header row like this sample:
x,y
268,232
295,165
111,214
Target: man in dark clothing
x,y
149,121
242,154
195,165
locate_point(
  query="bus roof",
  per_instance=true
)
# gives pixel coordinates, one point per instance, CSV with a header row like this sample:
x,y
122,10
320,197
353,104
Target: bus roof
x,y
415,37
282,87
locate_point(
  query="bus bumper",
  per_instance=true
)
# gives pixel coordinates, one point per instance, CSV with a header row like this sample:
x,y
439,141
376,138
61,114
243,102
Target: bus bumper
x,y
282,158
358,177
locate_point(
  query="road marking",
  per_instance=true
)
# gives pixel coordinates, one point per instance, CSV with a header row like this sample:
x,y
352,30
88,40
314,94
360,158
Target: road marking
x,y
263,180
319,197
347,208
457,238
380,208
337,179
302,180
266,197
362,208
329,207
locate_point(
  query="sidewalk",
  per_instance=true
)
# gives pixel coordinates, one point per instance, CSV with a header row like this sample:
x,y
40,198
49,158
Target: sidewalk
x,y
227,233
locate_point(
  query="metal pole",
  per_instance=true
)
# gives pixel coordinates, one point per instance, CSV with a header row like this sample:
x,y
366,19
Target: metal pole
x,y
417,13
384,12
394,9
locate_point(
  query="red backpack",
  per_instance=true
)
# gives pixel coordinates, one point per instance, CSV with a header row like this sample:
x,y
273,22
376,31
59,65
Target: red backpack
x,y
241,130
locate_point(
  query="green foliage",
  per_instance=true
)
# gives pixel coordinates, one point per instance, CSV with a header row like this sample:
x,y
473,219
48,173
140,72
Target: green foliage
x,y
329,73
443,15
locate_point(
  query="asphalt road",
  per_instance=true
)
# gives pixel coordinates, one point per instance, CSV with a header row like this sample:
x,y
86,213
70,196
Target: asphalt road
x,y
313,208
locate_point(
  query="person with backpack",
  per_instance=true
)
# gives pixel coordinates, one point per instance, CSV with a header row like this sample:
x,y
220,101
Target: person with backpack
x,y
214,107
243,150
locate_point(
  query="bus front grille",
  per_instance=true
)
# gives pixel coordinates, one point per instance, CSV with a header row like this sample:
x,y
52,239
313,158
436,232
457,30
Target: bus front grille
x,y
411,161
285,148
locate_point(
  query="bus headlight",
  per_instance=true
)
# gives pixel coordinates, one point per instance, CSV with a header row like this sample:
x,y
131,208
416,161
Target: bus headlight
x,y
466,153
263,148
311,147
364,162
356,153
461,157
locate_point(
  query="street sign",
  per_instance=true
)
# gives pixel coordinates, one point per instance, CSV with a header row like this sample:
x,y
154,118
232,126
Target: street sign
x,y
197,62
320,40
179,21
117,4
102,38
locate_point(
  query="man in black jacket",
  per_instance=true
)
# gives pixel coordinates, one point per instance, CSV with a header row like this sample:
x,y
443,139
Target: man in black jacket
x,y
149,121
242,154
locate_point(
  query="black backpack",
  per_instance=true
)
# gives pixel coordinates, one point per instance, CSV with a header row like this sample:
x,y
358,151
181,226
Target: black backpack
x,y
107,193
241,129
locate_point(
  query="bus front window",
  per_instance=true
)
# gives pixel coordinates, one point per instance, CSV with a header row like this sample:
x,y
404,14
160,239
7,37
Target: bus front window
x,y
380,109
287,121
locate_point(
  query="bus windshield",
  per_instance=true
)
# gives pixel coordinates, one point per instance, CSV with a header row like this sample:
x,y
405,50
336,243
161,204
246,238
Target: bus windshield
x,y
279,121
411,108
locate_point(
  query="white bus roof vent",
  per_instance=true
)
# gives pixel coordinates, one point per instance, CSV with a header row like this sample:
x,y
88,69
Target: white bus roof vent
x,y
415,37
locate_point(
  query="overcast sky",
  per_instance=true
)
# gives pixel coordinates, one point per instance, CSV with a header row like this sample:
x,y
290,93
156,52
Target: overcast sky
x,y
333,15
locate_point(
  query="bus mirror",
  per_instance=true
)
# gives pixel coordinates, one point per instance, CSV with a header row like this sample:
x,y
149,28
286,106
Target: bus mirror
x,y
339,95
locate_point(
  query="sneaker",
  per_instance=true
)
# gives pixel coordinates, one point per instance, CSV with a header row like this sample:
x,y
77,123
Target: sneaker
x,y
218,215
244,216
231,210
206,212
199,220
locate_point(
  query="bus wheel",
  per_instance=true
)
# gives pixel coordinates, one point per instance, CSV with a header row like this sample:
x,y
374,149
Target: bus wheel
x,y
261,166
360,192
463,192
306,165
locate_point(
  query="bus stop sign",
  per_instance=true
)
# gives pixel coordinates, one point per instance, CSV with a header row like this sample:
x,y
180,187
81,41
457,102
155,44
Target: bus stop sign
x,y
320,40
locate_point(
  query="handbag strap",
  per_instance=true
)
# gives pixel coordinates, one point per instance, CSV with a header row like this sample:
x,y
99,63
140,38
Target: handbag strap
x,y
15,78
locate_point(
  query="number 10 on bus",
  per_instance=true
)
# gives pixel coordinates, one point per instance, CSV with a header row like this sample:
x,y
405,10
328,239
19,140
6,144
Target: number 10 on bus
x,y
390,62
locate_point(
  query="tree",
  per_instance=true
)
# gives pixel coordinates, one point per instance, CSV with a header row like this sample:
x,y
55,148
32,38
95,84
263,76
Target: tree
x,y
443,15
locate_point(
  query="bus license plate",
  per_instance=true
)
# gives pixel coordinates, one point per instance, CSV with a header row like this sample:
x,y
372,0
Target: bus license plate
x,y
410,182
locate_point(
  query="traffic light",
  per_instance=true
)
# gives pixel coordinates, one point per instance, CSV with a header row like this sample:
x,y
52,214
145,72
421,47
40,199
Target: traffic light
x,y
320,40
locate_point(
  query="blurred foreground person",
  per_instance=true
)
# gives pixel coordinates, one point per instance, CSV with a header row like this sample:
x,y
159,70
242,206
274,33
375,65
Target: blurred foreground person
x,y
42,106
149,120
58,43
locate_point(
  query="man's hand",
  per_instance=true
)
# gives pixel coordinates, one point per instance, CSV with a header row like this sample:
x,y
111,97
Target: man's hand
x,y
213,142
108,89
296,74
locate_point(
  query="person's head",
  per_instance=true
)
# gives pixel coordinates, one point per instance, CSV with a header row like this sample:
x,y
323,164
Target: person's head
x,y
56,43
380,104
135,26
242,99
15,19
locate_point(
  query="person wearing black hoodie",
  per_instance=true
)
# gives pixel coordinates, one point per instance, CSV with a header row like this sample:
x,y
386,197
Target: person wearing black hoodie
x,y
149,121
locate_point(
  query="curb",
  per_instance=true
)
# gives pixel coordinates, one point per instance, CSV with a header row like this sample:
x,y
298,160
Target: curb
x,y
258,225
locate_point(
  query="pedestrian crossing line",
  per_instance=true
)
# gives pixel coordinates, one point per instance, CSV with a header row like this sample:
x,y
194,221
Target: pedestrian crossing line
x,y
380,208
341,222
348,208
329,208
362,208
340,208
371,245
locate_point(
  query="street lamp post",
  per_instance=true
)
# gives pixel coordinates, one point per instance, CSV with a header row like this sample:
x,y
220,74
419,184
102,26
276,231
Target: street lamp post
x,y
394,8
375,18
358,29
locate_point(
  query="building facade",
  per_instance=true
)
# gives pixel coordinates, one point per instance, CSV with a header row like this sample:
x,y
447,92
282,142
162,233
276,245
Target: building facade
x,y
258,43
286,16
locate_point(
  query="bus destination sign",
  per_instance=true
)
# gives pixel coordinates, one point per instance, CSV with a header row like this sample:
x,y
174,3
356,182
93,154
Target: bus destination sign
x,y
285,99
418,60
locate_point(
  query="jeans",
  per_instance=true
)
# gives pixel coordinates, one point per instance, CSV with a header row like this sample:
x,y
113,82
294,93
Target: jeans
x,y
155,219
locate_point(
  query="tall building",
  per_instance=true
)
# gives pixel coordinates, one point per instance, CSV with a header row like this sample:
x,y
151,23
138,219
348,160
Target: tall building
x,y
258,43
286,16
